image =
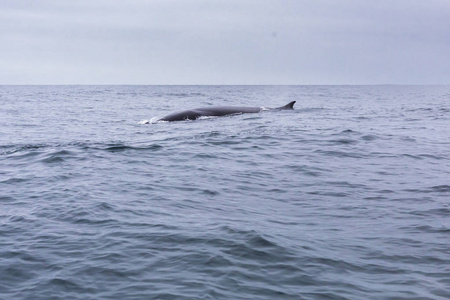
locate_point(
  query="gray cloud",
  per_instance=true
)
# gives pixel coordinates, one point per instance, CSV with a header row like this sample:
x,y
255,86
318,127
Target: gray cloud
x,y
224,42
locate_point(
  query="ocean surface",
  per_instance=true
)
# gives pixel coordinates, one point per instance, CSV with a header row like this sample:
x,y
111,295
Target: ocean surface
x,y
345,197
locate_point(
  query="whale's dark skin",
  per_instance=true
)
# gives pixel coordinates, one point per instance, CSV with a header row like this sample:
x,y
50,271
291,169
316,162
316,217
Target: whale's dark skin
x,y
216,111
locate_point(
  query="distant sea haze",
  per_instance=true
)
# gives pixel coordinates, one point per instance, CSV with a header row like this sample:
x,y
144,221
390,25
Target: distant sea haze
x,y
344,197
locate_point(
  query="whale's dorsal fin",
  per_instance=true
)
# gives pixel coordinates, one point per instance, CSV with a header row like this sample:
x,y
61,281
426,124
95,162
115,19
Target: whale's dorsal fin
x,y
290,105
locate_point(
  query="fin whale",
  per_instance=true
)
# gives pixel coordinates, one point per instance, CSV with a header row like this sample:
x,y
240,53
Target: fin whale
x,y
216,111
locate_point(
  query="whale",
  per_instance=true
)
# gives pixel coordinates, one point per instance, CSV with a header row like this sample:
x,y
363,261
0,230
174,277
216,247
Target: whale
x,y
217,111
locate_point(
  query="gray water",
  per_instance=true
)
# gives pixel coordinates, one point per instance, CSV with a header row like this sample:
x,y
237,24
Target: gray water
x,y
346,197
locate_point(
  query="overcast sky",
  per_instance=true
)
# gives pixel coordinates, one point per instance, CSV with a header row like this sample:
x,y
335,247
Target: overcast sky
x,y
225,42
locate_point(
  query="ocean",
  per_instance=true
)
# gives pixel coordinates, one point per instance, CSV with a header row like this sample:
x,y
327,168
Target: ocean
x,y
345,197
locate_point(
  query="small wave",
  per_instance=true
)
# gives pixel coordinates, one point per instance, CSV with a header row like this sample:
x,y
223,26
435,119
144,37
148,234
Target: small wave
x,y
14,180
344,141
122,147
444,211
209,134
204,118
54,153
408,139
6,198
369,137
12,149
422,156
348,131
440,188
310,109
58,156
210,192
182,95
153,120
63,284
427,229
340,153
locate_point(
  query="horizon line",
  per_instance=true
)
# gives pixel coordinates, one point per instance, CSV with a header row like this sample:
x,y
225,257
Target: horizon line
x,y
190,84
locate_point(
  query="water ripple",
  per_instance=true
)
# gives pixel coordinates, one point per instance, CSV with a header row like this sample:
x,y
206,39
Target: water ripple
x,y
345,197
